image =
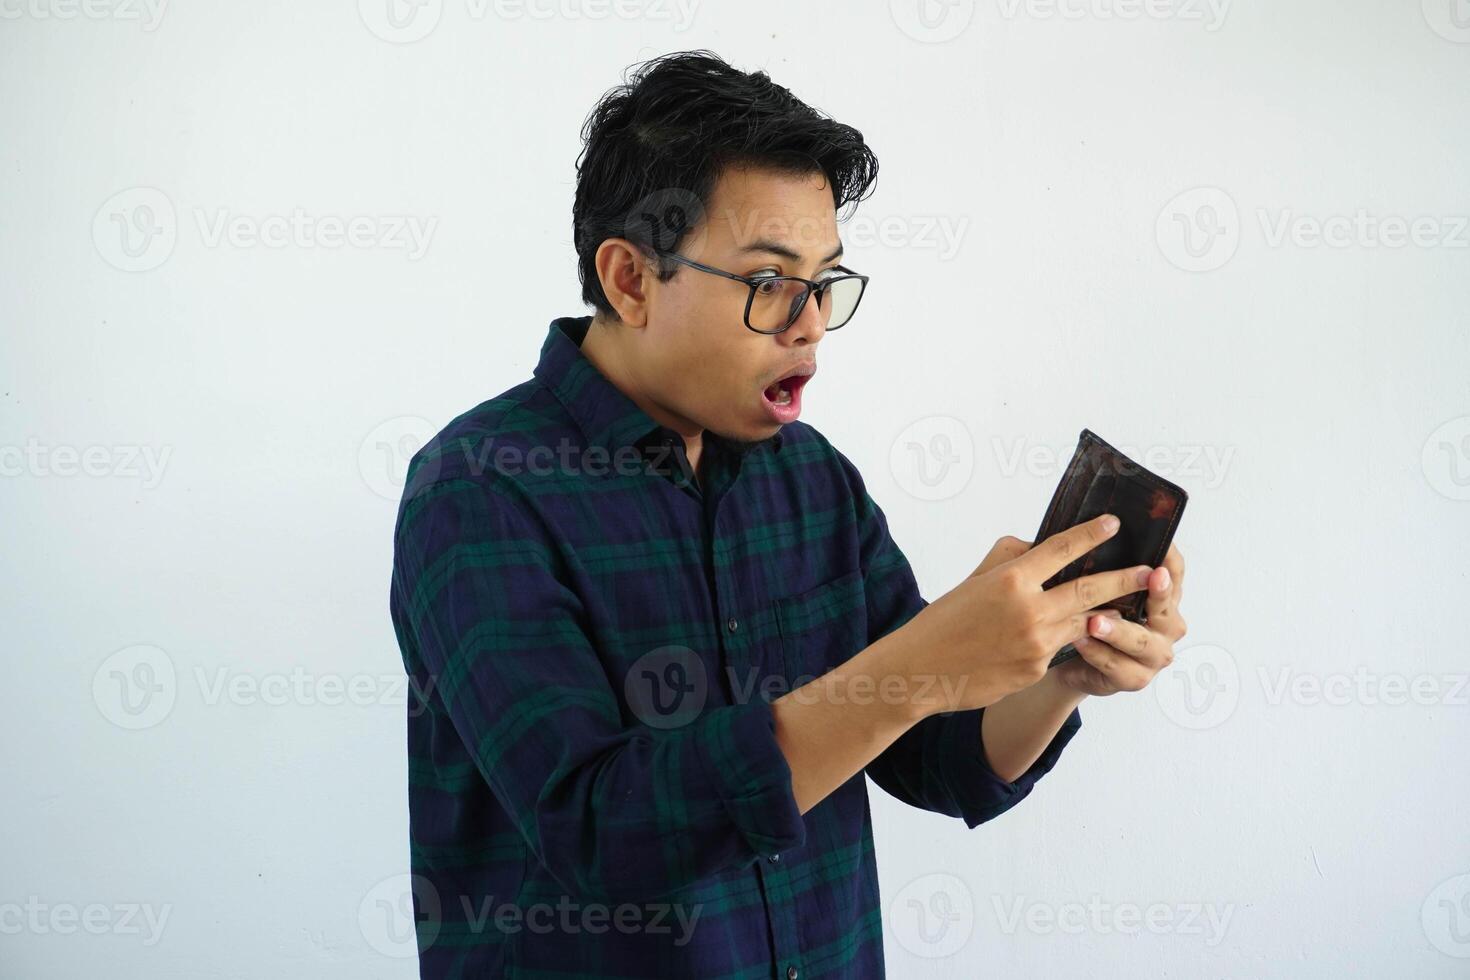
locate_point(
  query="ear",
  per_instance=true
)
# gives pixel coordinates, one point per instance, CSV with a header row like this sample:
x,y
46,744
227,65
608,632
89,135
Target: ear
x,y
625,274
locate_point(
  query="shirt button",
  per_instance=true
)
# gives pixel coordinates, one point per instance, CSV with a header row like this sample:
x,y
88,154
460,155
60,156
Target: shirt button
x,y
732,624
792,973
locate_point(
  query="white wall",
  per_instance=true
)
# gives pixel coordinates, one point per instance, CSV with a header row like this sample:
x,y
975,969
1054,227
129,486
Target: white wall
x,y
232,401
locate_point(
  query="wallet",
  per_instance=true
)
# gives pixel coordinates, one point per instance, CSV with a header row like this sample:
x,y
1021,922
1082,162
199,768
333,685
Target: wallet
x,y
1101,480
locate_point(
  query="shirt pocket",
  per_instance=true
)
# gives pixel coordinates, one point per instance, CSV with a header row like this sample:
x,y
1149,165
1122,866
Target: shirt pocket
x,y
821,627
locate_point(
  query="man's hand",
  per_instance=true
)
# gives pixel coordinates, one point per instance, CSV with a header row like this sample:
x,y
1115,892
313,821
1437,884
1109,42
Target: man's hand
x,y
1018,727
983,641
1117,655
995,632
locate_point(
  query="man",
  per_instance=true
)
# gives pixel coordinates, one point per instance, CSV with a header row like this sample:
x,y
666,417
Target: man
x,y
663,626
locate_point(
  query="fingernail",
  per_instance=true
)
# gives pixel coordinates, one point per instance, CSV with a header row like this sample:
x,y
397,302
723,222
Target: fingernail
x,y
1103,627
1110,523
1165,580
1143,574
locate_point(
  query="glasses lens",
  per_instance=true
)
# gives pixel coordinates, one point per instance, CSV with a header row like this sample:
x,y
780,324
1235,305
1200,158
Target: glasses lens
x,y
777,303
839,300
774,304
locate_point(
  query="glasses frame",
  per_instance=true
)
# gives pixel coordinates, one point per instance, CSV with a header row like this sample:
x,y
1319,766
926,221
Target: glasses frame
x,y
812,286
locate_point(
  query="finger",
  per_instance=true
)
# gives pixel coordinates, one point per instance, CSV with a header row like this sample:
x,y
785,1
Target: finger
x,y
1078,623
1139,643
1089,591
1004,550
1162,604
1120,670
1174,562
1064,547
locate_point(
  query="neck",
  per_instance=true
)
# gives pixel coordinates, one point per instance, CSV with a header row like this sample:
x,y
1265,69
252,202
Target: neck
x,y
607,346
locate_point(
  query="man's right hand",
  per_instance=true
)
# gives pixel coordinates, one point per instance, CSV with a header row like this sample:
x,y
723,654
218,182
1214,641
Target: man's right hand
x,y
995,632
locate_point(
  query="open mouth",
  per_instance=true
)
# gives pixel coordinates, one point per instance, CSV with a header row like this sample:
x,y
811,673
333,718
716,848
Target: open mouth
x,y
782,398
783,392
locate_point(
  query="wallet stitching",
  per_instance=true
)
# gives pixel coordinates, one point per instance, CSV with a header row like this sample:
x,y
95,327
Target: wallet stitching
x,y
1141,473
1107,509
1073,472
1152,480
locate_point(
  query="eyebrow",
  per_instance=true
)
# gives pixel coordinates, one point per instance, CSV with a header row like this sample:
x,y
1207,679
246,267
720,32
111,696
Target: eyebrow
x,y
776,248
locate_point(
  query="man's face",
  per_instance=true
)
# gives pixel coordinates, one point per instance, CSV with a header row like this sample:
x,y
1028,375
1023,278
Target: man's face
x,y
699,361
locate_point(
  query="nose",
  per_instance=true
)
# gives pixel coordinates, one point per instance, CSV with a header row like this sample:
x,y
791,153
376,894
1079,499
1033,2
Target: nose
x,y
809,326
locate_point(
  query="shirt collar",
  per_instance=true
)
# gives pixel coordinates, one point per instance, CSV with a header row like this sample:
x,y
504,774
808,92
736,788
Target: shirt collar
x,y
607,417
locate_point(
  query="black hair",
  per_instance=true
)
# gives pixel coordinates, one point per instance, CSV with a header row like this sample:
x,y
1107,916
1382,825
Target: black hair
x,y
655,145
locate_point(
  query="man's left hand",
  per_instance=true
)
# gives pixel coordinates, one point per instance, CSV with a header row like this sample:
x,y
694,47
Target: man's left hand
x,y
1117,655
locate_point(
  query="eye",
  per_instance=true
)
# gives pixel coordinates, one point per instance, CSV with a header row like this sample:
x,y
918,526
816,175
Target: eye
x,y
768,288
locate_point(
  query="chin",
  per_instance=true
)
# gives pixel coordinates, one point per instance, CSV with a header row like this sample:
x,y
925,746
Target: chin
x,y
745,441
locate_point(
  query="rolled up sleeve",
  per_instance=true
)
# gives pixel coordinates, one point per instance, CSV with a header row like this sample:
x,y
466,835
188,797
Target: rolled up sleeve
x,y
938,764
623,811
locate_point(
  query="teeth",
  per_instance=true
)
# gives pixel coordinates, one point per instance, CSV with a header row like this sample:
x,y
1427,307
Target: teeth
x,y
783,397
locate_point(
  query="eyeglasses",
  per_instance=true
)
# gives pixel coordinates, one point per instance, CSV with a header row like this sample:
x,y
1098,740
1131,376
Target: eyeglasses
x,y
775,302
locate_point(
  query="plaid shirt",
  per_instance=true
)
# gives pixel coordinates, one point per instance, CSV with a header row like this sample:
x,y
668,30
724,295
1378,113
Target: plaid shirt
x,y
595,788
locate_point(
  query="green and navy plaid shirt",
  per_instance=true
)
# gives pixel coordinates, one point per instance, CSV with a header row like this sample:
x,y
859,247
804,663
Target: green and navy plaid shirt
x,y
595,789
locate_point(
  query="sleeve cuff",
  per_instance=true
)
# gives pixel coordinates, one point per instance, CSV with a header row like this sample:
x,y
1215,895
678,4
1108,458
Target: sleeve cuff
x,y
752,776
981,794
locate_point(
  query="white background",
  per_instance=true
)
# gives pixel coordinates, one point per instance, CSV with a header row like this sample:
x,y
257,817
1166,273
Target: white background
x,y
1288,801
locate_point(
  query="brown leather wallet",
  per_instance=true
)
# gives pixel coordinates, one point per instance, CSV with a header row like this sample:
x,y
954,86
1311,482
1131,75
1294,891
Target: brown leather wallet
x,y
1101,480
